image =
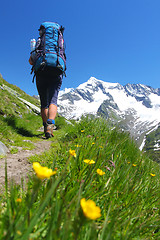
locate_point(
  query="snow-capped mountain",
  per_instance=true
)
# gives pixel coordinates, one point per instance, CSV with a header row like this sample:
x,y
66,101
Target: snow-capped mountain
x,y
135,107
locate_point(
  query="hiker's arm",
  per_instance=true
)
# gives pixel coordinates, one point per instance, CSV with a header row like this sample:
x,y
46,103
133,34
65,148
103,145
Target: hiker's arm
x,y
30,60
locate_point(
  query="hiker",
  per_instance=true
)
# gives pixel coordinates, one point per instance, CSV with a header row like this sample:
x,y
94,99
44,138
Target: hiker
x,y
49,65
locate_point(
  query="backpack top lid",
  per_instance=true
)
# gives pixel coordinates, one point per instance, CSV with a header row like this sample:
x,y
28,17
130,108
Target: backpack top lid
x,y
49,24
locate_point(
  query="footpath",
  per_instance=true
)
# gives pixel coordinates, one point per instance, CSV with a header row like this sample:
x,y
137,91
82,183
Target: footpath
x,y
18,165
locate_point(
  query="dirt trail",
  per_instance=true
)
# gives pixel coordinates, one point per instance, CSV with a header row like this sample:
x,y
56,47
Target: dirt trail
x,y
18,165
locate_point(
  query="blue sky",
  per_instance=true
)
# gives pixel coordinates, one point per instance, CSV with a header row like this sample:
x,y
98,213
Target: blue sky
x,y
112,40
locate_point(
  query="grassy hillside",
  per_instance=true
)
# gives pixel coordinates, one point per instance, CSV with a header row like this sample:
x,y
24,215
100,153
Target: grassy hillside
x,y
102,187
19,91
17,121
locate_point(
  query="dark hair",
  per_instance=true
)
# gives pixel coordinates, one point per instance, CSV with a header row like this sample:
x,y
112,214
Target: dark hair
x,y
41,28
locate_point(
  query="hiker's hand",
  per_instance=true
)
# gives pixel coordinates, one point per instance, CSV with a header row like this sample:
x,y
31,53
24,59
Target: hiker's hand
x,y
30,61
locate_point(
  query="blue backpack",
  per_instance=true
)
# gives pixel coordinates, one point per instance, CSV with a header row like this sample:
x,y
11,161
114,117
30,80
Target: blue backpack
x,y
50,50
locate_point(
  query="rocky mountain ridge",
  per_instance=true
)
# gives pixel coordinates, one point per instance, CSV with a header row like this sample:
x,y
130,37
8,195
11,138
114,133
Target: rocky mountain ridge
x,y
133,107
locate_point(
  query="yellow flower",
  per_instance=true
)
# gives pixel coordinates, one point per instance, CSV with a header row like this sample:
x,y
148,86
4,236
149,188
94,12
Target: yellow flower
x,y
93,143
78,145
100,172
134,165
153,175
90,210
82,130
89,161
19,200
42,172
72,152
19,232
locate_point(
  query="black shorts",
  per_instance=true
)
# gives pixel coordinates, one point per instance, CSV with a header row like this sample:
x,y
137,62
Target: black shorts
x,y
48,87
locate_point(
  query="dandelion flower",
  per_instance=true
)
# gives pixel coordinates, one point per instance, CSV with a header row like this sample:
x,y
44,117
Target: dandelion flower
x,y
19,232
89,161
134,165
78,145
72,152
93,143
90,210
82,130
19,200
101,147
153,175
42,172
100,172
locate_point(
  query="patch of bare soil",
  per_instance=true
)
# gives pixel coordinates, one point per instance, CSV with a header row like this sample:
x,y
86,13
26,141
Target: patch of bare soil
x,y
17,164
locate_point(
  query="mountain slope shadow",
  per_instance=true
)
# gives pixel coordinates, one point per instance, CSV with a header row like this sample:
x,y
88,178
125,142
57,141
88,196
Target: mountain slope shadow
x,y
11,121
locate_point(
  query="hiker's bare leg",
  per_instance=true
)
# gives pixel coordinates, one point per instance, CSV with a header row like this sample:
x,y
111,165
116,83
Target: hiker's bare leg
x,y
52,111
48,128
44,114
49,113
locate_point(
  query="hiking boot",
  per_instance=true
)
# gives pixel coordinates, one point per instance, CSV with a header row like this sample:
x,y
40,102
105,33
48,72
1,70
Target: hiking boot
x,y
49,130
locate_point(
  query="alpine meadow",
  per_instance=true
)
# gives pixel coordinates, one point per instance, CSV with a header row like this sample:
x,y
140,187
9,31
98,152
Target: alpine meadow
x,y
93,182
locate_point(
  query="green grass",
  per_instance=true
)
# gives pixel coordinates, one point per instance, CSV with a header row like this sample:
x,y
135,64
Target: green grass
x,y
17,122
18,90
20,132
127,194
